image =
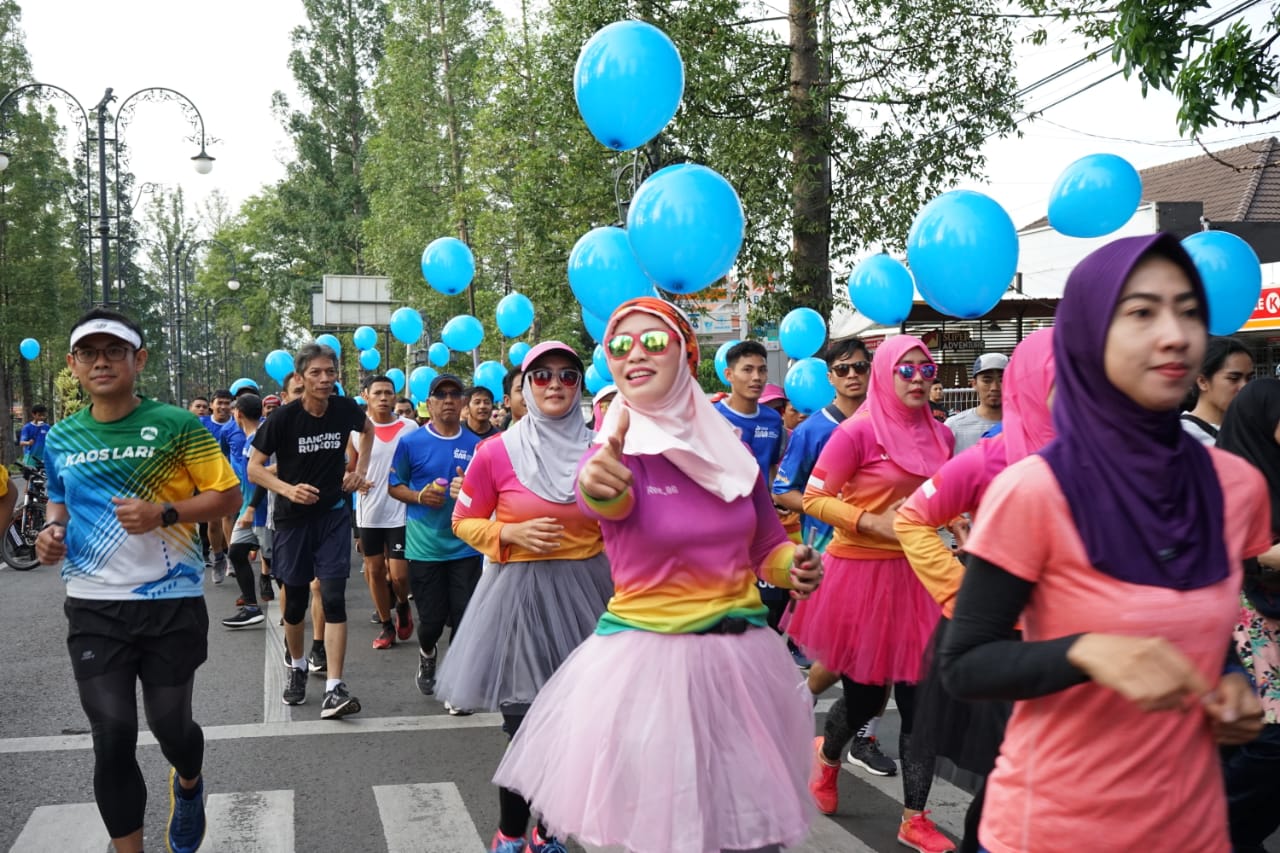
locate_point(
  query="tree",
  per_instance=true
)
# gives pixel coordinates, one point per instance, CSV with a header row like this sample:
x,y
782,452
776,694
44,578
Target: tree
x,y
1219,68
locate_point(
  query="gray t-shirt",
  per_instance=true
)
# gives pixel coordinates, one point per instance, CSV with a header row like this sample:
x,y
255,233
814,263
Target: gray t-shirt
x,y
968,427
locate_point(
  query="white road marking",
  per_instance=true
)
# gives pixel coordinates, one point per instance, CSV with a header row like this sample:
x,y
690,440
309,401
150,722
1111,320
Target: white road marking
x,y
827,836
72,828
273,708
249,822
947,802
426,818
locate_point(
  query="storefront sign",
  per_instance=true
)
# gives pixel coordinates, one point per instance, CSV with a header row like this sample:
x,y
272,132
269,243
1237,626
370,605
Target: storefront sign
x,y
1266,315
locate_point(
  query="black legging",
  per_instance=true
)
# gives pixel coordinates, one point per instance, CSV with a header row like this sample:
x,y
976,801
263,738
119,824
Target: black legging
x,y
513,809
238,554
110,704
864,701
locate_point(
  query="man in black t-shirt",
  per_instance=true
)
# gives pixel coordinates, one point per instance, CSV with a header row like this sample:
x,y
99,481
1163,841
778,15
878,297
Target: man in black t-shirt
x,y
313,514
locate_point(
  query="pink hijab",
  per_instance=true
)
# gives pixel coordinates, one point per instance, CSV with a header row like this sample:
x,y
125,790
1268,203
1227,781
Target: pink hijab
x,y
1028,425
914,440
683,426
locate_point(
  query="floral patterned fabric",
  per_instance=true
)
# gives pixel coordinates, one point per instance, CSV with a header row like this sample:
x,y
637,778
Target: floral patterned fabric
x,y
1258,644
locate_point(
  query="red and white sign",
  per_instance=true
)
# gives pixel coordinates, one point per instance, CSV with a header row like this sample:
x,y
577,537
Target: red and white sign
x,y
1266,314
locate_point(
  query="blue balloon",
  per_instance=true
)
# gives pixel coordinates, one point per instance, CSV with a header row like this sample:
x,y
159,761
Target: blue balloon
x,y
593,380
807,386
360,400
963,253
463,333
604,272
881,289
365,338
1232,277
686,226
448,265
30,349
337,387
420,382
242,382
278,365
327,340
438,354
406,325
802,332
601,360
722,363
396,375
595,326
514,314
370,359
1094,196
517,353
628,83
489,374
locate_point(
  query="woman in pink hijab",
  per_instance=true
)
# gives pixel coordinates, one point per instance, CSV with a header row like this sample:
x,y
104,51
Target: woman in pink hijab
x,y
969,733
871,621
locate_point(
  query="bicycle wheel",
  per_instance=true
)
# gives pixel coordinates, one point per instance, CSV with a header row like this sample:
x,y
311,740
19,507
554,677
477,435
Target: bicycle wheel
x,y
18,547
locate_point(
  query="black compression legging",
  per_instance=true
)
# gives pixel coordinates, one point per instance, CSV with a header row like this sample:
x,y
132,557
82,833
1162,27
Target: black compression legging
x,y
238,554
110,704
864,701
513,809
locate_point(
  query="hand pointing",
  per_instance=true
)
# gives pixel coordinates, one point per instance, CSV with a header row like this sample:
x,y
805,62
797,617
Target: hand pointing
x,y
604,477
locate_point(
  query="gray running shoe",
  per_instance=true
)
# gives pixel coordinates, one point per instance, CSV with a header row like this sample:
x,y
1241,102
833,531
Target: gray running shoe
x,y
295,687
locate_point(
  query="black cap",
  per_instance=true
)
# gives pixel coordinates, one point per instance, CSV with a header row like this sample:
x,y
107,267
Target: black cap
x,y
442,379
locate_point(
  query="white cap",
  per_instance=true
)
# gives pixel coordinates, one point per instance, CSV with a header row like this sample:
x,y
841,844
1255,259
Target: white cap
x,y
990,361
104,326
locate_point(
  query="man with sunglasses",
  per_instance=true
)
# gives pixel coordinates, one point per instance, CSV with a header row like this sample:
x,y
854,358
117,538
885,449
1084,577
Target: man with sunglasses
x,y
124,474
971,424
443,570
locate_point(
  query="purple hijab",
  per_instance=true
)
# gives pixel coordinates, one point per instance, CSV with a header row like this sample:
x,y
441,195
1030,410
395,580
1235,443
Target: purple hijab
x,y
1143,493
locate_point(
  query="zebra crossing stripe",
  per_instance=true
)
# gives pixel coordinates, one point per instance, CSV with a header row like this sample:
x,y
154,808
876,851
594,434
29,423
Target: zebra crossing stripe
x,y
426,818
72,828
249,822
273,709
826,836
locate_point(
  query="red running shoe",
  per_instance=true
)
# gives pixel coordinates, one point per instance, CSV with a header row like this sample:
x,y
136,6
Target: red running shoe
x,y
920,833
386,638
822,781
404,621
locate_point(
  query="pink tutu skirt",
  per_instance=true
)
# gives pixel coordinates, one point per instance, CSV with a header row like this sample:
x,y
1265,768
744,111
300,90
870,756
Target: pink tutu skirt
x,y
870,620
669,744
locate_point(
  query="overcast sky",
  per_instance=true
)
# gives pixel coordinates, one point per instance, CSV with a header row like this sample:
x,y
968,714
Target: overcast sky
x,y
229,57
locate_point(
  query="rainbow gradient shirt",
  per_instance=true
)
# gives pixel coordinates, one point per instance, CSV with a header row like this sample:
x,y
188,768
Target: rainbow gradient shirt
x,y
158,453
681,558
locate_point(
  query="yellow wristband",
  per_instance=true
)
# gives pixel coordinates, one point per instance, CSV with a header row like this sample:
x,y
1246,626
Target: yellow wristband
x,y
420,491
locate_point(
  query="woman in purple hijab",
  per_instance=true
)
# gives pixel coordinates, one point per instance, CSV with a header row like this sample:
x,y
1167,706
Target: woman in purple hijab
x,y
1128,590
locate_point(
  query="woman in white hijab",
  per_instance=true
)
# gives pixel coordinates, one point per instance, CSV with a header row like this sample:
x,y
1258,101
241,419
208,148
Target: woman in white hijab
x,y
549,579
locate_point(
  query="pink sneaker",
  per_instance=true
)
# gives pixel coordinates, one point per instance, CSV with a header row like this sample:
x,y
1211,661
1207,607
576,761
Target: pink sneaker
x,y
920,833
822,781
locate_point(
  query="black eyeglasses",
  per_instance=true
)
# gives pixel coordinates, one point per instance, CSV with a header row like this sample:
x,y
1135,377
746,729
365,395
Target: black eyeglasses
x,y
858,367
114,352
569,377
447,395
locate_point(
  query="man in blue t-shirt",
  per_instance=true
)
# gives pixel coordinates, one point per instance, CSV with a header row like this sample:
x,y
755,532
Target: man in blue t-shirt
x,y
443,570
32,437
760,427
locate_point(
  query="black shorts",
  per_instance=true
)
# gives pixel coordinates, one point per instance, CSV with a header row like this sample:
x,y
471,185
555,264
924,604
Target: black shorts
x,y
163,641
318,548
375,541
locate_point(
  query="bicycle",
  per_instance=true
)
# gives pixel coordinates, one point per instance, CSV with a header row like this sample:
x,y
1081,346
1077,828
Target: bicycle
x,y
18,547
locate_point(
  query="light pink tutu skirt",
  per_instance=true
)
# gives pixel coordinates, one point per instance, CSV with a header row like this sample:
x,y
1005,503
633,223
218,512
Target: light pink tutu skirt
x,y
670,744
870,620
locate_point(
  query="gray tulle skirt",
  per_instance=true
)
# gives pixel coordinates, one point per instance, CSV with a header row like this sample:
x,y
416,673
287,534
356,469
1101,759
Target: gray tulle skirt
x,y
523,621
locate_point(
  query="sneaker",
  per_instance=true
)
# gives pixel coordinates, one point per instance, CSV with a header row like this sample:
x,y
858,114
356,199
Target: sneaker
x,y
538,844
374,618
506,844
865,752
404,621
266,591
186,817
318,661
920,833
386,637
219,569
295,686
457,712
823,780
245,618
426,677
800,660
339,703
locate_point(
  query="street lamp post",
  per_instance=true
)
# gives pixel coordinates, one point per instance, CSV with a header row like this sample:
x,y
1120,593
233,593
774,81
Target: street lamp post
x,y
182,275
210,309
202,161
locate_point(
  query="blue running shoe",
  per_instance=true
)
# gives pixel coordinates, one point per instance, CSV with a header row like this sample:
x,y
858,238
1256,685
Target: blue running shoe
x,y
186,817
504,844
538,844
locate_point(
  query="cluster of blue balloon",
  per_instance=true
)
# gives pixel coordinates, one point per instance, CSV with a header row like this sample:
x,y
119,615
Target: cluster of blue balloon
x,y
685,224
30,349
802,333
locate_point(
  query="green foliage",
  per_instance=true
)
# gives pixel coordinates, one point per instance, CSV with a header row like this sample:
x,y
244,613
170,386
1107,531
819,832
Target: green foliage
x,y
1220,68
67,395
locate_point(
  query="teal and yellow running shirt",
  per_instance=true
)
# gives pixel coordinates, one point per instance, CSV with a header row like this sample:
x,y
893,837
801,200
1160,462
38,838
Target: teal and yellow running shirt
x,y
158,453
